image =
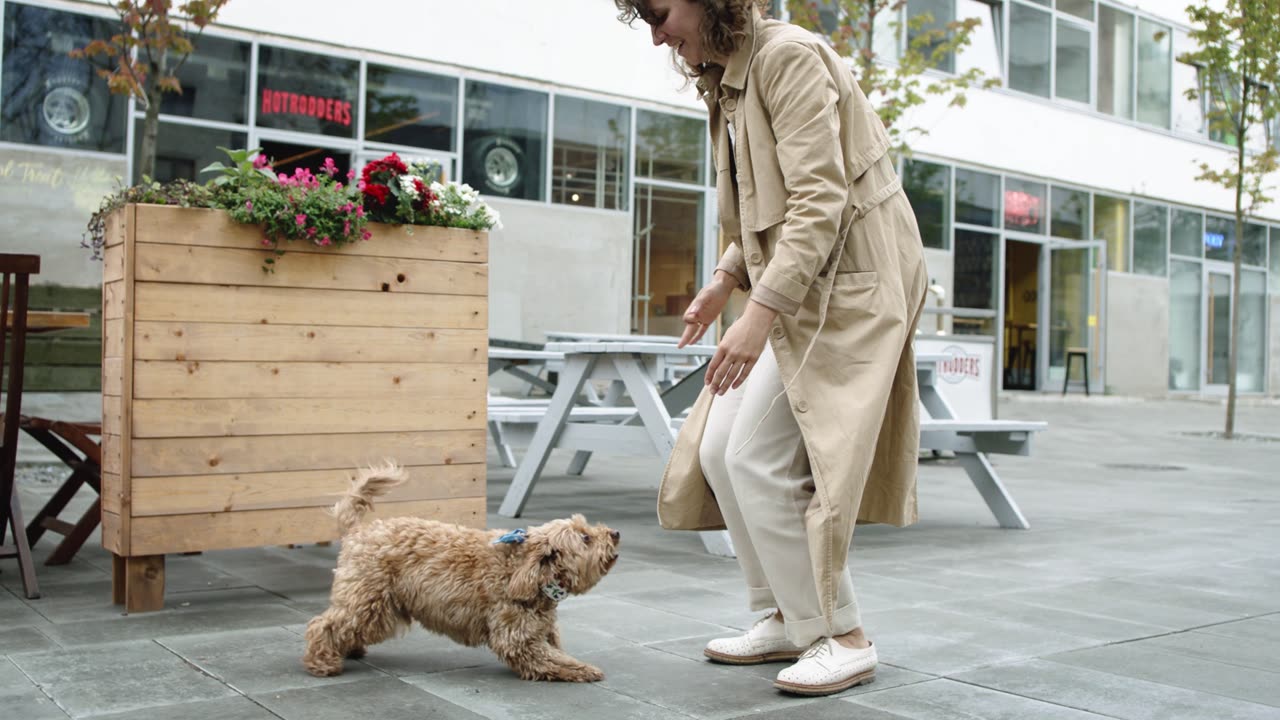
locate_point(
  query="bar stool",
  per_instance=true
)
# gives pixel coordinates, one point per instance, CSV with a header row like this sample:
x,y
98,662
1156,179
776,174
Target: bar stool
x,y
1083,354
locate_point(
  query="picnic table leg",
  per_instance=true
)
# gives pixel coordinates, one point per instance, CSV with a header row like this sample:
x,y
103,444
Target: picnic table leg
x,y
992,490
612,397
506,455
575,373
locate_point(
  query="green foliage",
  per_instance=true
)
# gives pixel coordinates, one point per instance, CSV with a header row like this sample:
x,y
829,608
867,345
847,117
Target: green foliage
x,y
179,193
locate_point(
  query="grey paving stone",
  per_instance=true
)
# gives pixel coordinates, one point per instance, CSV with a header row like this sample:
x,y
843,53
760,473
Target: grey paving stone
x,y
825,709
24,639
933,641
32,705
118,677
234,708
1144,661
1073,622
175,621
1262,653
12,680
419,651
631,621
256,661
1114,695
14,613
373,698
1264,627
685,686
948,700
496,692
1131,602
701,604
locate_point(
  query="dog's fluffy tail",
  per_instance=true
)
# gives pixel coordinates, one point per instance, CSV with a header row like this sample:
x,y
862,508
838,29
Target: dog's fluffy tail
x,y
368,484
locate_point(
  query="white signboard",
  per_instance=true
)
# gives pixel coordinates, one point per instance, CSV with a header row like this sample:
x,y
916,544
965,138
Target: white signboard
x,y
965,377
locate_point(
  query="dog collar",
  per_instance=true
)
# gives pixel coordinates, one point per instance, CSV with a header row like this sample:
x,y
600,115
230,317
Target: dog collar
x,y
555,591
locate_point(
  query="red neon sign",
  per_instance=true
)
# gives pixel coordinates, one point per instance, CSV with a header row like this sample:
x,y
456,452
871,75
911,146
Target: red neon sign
x,y
1021,209
279,102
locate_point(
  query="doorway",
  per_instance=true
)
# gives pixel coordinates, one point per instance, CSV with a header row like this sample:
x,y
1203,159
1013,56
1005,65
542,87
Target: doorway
x,y
1217,327
1022,313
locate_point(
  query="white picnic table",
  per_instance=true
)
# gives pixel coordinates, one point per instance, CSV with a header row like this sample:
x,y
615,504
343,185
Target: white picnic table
x,y
649,427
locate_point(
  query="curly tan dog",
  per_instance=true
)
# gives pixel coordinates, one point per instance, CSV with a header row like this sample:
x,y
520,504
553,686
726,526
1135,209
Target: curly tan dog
x,y
477,587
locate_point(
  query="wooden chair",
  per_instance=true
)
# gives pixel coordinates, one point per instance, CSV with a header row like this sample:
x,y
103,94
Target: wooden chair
x,y
72,443
16,271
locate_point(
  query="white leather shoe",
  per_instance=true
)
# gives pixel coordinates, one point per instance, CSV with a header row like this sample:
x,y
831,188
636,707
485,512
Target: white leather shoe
x,y
828,667
765,642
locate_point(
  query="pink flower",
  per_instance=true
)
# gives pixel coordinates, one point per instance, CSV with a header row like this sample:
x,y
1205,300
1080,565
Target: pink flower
x,y
346,227
311,232
365,235
359,211
284,179
248,205
266,242
329,167
301,219
260,161
351,175
325,241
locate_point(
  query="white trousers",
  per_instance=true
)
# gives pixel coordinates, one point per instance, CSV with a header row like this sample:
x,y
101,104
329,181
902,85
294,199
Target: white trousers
x,y
764,488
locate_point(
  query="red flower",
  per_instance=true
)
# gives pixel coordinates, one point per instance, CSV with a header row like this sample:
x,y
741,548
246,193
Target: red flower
x,y
378,193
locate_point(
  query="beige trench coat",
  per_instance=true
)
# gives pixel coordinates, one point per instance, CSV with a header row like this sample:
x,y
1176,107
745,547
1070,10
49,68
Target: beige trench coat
x,y
807,183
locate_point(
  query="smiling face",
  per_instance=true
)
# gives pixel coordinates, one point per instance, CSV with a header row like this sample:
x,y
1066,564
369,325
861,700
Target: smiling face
x,y
678,25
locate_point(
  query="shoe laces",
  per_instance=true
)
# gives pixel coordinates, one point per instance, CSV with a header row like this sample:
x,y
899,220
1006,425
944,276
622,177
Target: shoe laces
x,y
819,648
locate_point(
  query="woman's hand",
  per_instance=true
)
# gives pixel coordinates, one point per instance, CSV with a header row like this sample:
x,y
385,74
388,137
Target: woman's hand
x,y
740,348
706,307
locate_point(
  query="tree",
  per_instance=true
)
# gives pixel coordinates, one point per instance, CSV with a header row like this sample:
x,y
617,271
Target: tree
x,y
144,58
895,85
1238,55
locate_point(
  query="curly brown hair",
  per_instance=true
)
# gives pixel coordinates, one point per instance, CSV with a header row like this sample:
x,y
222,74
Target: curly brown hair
x,y
724,24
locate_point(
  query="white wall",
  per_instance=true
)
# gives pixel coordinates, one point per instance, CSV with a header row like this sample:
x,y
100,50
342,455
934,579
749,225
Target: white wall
x,y
577,43
554,267
1273,388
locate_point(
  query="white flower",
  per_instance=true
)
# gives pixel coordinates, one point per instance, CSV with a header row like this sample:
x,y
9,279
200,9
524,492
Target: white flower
x,y
407,184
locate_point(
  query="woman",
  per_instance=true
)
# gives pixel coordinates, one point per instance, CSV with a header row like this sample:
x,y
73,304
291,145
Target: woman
x,y
809,418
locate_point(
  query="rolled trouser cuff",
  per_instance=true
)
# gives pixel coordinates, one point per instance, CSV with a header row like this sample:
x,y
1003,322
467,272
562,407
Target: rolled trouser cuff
x,y
804,632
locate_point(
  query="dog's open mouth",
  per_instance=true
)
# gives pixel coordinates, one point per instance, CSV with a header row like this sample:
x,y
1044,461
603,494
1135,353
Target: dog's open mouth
x,y
613,560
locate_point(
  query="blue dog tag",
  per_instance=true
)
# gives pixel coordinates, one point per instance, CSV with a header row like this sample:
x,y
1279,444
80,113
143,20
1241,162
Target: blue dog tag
x,y
516,536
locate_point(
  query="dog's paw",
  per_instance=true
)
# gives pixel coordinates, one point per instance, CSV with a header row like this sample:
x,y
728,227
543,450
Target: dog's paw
x,y
355,653
583,673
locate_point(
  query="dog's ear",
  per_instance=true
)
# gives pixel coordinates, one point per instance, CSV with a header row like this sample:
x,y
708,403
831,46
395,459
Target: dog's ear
x,y
535,568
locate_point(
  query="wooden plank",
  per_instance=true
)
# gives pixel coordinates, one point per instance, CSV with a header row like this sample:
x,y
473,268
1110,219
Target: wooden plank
x,y
110,451
225,266
292,306
112,415
144,583
115,227
38,320
111,495
255,528
111,537
113,298
206,455
427,382
113,338
253,416
112,376
316,343
113,263
122,412
213,228
299,489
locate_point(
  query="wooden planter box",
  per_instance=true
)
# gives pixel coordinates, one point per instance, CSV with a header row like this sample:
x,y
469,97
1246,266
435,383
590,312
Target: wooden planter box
x,y
237,404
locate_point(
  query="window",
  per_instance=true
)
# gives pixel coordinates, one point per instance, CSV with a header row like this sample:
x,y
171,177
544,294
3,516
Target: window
x,y
403,107
48,98
1155,62
1150,238
305,92
1251,375
504,140
1275,260
941,13
1072,54
1188,115
1219,238
977,273
1082,9
288,157
670,147
1115,62
1188,234
977,198
1024,205
215,82
1186,283
1070,214
985,51
1111,223
1254,246
1029,49
182,151
589,154
928,187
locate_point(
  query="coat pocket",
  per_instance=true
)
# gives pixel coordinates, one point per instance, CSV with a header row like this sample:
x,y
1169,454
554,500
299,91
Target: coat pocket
x,y
854,289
